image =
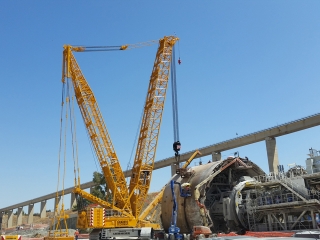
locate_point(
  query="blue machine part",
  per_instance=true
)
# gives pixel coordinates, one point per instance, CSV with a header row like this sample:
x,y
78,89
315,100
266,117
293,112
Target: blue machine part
x,y
173,229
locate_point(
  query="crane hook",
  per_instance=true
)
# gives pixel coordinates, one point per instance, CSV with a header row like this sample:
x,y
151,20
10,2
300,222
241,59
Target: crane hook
x,y
179,61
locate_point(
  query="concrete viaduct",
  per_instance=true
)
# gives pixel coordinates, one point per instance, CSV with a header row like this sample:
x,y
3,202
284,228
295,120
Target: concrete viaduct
x,y
268,135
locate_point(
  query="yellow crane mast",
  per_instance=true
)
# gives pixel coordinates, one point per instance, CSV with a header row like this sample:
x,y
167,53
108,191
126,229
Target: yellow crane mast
x,y
150,126
97,130
125,207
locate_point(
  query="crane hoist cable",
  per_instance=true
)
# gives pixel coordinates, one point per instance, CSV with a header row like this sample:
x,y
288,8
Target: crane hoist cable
x,y
179,60
59,155
135,141
73,128
174,98
176,138
55,229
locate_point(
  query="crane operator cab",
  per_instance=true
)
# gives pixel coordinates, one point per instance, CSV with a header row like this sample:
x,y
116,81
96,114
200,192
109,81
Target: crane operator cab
x,y
145,176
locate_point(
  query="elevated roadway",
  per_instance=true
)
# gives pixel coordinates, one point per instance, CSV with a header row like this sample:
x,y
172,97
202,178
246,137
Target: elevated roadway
x,y
215,150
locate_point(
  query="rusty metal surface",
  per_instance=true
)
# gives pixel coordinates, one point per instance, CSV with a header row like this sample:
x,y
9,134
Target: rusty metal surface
x,y
188,209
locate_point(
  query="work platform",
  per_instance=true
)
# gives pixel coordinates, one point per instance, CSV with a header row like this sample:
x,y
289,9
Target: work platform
x,y
277,202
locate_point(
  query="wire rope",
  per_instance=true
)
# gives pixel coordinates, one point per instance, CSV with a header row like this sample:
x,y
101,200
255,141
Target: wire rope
x,y
76,142
135,140
60,148
174,98
73,136
93,153
65,141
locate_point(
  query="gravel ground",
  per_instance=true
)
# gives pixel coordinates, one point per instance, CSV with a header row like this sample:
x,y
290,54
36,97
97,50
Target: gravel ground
x,y
35,233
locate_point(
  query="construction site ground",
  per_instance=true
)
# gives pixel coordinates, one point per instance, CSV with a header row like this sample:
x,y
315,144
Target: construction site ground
x,y
37,232
259,234
40,226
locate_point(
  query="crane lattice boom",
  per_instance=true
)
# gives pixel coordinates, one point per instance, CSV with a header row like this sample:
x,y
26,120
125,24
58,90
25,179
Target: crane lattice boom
x,y
96,129
150,127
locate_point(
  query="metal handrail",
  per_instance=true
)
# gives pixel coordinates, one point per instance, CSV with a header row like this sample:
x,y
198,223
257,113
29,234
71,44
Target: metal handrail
x,y
275,177
280,177
276,199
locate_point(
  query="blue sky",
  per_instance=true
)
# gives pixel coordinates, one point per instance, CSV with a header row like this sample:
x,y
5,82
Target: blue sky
x,y
246,66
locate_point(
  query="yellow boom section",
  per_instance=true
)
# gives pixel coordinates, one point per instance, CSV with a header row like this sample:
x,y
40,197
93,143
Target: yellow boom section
x,y
152,205
99,201
159,196
150,126
97,131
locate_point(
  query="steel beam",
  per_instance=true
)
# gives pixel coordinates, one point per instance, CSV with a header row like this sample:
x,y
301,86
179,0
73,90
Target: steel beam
x,y
314,224
270,222
298,219
277,221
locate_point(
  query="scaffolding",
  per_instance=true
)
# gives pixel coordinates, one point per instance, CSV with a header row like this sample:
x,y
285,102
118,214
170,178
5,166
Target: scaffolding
x,y
281,203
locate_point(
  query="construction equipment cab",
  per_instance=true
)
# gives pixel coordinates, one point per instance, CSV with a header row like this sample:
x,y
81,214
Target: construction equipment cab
x,y
199,232
10,237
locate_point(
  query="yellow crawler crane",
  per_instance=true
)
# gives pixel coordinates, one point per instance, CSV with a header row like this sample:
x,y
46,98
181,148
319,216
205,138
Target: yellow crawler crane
x,y
112,219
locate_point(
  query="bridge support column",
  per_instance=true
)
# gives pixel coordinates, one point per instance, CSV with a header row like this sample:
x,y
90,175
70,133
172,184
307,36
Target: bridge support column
x,y
216,156
43,209
272,153
1,217
73,200
19,215
10,216
30,213
173,169
270,222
